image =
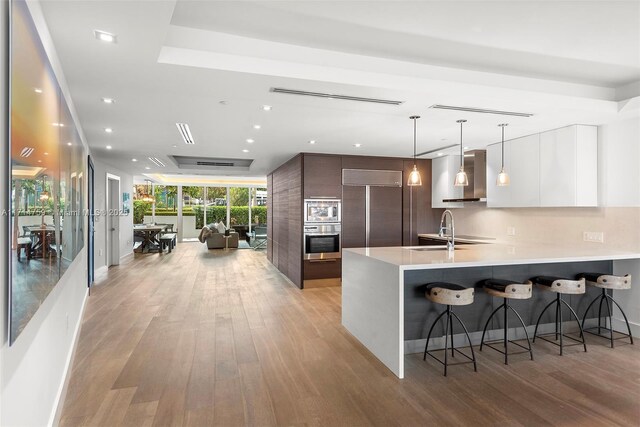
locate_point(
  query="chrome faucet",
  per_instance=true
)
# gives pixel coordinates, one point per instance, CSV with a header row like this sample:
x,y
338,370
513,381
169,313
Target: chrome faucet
x,y
443,227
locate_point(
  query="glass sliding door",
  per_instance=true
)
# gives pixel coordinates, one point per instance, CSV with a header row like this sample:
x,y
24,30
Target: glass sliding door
x,y
193,204
216,205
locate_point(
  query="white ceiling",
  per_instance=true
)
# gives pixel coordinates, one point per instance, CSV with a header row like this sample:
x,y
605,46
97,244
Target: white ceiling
x,y
566,62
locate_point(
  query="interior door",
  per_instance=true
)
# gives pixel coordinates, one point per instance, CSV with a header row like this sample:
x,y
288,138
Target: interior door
x,y
353,217
385,213
91,225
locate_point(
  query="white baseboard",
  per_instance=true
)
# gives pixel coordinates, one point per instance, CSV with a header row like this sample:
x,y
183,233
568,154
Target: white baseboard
x,y
54,418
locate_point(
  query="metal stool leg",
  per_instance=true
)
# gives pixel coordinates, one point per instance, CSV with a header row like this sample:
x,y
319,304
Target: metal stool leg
x,y
588,307
484,331
600,311
506,332
535,332
433,325
560,320
606,303
446,336
623,315
584,342
526,334
473,355
451,334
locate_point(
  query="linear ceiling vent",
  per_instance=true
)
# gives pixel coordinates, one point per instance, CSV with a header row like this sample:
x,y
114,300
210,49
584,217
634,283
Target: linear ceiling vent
x,y
334,96
210,164
480,110
185,132
156,161
26,151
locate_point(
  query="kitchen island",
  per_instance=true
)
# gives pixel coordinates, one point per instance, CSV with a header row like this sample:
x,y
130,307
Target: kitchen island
x,y
384,307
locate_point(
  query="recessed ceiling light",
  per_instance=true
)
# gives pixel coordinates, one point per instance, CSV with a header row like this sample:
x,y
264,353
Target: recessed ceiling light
x,y
105,36
466,148
185,132
313,141
267,107
440,154
174,146
134,160
39,161
46,154
59,125
257,126
147,167
245,151
108,100
69,144
250,141
108,147
108,130
357,145
37,90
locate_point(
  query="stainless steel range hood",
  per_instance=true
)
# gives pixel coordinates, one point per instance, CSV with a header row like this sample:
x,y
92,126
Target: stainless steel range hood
x,y
475,164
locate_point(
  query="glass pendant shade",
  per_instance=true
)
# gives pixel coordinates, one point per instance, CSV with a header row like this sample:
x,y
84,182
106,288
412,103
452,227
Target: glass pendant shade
x,y
503,179
461,178
414,177
44,196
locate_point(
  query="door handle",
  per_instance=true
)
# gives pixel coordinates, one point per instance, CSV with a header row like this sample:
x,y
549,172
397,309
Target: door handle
x,y
323,260
113,229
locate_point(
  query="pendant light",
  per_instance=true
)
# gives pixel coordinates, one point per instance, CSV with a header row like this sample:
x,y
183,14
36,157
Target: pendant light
x,y
503,177
461,177
414,176
147,197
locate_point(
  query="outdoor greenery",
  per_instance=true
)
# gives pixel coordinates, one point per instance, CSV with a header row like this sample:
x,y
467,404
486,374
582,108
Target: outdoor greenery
x,y
239,214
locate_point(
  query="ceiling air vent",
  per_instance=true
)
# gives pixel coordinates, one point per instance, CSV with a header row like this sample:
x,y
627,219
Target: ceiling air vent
x,y
212,164
334,96
156,161
26,151
185,132
480,110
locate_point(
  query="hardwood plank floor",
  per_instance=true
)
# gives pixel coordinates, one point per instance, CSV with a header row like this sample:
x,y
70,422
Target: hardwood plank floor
x,y
200,338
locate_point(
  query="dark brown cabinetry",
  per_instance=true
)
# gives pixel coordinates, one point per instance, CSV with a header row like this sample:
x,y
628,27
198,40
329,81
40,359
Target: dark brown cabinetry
x,y
322,176
396,214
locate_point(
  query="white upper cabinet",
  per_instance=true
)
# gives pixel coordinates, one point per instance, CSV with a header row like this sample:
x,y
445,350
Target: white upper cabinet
x,y
444,171
569,167
521,162
551,169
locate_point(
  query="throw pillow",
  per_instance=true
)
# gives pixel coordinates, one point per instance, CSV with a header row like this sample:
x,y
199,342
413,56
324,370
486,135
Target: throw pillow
x,y
221,227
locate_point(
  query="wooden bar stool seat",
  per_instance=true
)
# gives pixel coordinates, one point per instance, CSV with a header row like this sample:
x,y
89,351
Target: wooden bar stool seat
x,y
24,243
560,286
449,294
507,289
607,282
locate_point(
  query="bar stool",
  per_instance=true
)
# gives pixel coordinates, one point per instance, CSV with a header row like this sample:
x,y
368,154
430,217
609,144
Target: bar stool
x,y
449,294
507,289
560,286
606,281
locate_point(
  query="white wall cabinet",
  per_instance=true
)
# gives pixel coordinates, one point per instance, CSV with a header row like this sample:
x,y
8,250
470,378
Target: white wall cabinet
x,y
444,171
551,169
521,162
569,167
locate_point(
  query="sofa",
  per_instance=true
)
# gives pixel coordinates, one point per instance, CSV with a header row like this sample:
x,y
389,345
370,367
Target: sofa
x,y
216,240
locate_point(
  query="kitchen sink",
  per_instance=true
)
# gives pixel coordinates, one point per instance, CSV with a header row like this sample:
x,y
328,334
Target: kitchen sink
x,y
435,248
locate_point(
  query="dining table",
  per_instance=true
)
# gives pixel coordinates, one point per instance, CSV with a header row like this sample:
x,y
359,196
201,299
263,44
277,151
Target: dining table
x,y
44,240
149,234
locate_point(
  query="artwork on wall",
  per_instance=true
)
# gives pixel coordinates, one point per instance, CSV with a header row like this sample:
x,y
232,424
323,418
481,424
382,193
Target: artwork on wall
x,y
47,176
126,203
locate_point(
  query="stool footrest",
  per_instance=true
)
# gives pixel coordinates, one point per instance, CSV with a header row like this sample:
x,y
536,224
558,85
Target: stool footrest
x,y
448,363
623,335
489,344
543,337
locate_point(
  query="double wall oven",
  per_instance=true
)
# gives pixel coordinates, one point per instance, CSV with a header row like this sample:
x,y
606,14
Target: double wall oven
x,y
321,228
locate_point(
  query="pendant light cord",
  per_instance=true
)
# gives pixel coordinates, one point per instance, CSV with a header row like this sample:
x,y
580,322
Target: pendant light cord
x,y
502,147
461,150
414,140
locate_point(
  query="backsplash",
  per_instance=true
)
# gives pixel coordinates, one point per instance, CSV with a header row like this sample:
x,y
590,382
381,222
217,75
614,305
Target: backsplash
x,y
562,226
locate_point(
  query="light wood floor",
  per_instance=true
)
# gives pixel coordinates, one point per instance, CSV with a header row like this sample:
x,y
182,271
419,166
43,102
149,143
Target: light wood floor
x,y
201,338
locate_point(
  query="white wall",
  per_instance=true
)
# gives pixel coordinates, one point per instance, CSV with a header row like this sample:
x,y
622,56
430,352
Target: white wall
x,y
126,222
32,371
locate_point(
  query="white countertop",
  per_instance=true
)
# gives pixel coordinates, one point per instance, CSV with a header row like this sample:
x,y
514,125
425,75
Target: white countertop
x,y
481,255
